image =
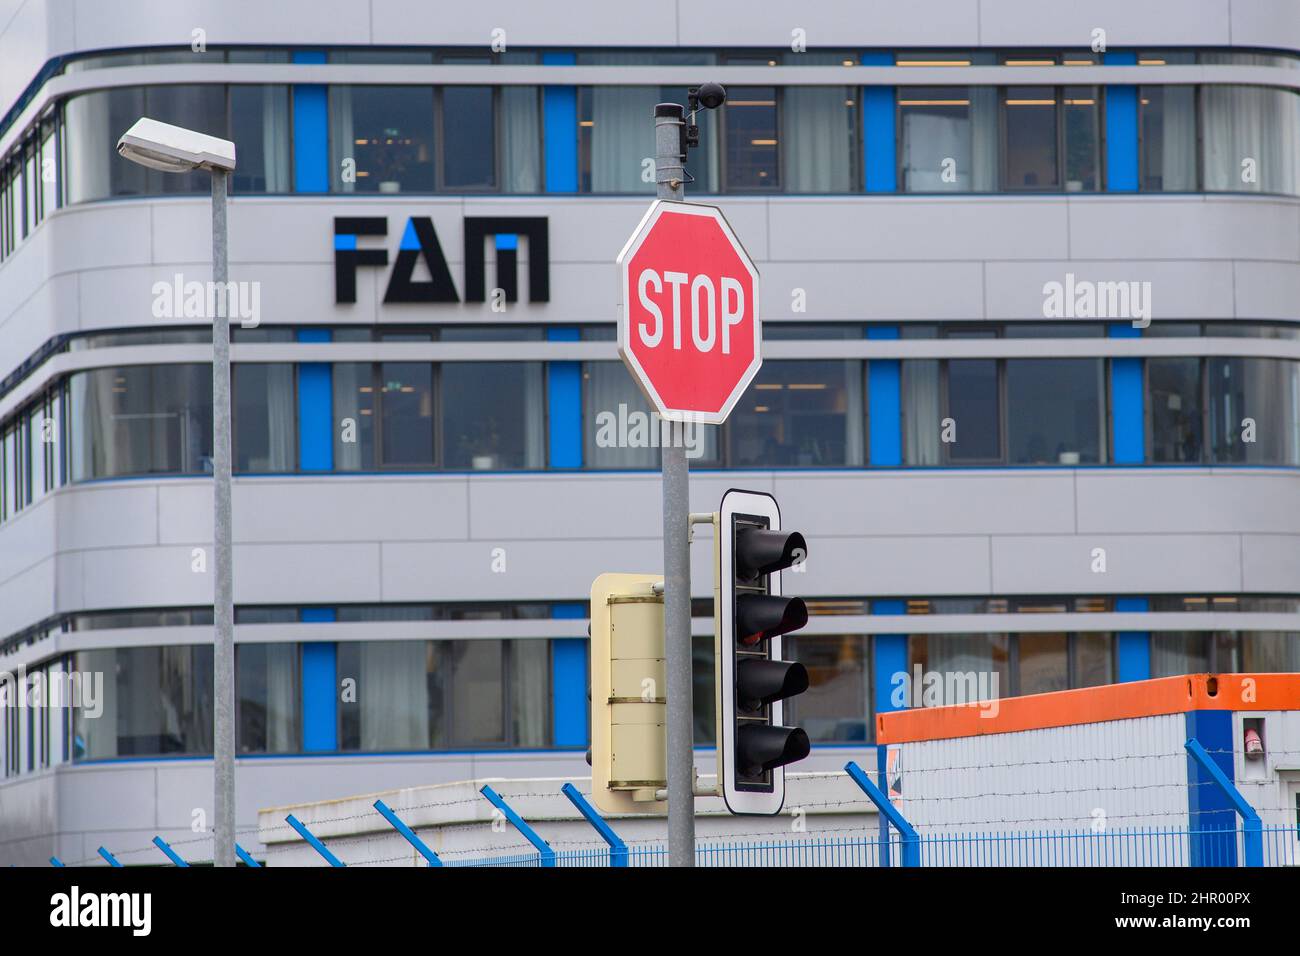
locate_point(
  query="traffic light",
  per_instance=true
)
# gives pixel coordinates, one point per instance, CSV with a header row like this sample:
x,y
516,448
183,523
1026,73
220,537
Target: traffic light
x,y
629,743
752,681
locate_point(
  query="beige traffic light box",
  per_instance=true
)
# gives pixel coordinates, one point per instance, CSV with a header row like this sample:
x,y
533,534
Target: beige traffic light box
x,y
628,707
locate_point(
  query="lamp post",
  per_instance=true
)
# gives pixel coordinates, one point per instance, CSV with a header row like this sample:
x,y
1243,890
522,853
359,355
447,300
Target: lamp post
x,y
175,149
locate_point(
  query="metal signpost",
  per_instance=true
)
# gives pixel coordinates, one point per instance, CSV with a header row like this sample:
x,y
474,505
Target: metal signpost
x,y
669,176
689,333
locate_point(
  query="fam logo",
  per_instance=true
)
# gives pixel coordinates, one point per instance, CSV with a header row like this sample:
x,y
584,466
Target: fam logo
x,y
420,241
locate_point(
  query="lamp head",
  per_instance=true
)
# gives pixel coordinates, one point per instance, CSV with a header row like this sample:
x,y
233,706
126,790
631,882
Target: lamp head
x,y
175,149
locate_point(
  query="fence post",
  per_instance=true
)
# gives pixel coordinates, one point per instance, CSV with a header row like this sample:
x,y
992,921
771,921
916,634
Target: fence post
x,y
531,835
112,860
316,844
882,761
1252,835
911,839
246,857
172,855
408,833
617,848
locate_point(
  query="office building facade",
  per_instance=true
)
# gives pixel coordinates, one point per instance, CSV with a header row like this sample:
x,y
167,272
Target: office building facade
x,y
1031,381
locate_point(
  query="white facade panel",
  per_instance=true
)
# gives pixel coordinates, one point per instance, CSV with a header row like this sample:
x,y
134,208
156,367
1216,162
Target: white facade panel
x,y
1215,227
1133,562
929,503
1266,290
130,543
1270,562
1126,502
873,291
1026,23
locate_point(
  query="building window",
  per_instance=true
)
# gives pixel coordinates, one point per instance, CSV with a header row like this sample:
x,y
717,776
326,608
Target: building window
x,y
819,127
406,419
616,145
948,138
391,708
969,667
521,139
1050,138
1029,138
1254,410
467,123
493,415
488,138
800,414
620,430
354,413
965,668
750,125
529,708
1194,652
1249,136
1270,652
1055,411
1168,138
264,417
47,169
268,690
837,707
93,123
974,409
477,698
157,701
1042,663
10,207
259,124
140,420
921,414
433,695
1175,410
385,415
387,131
1080,119
1092,659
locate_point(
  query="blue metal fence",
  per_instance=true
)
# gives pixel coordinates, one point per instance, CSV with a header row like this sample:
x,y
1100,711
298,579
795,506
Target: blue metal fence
x,y
1250,843
1138,846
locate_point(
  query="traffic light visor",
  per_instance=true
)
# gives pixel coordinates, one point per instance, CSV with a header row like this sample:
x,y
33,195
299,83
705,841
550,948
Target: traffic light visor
x,y
760,551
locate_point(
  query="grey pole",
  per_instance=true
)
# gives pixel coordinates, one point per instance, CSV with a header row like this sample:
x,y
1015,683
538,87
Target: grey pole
x,y
677,559
223,598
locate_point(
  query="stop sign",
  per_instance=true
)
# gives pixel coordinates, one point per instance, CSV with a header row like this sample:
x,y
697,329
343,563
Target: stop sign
x,y
688,329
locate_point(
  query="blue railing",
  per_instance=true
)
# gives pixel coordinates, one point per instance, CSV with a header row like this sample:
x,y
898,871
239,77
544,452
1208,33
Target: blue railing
x,y
1240,839
1138,846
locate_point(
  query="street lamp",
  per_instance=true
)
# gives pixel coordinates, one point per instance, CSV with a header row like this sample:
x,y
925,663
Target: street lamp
x,y
174,149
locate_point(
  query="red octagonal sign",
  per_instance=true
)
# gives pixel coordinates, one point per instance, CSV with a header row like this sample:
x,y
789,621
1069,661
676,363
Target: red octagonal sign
x,y
689,329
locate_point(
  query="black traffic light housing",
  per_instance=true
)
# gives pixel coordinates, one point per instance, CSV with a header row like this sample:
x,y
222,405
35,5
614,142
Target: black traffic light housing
x,y
752,680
